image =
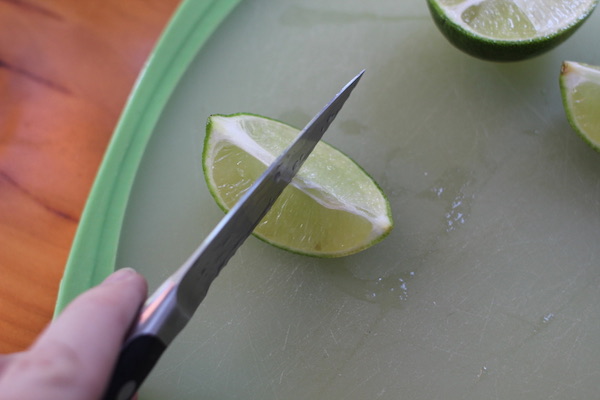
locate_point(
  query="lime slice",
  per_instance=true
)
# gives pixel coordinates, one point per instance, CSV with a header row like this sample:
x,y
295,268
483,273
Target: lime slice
x,y
332,208
509,30
580,88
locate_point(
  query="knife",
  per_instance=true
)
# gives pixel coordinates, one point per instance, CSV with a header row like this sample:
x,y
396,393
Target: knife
x,y
168,310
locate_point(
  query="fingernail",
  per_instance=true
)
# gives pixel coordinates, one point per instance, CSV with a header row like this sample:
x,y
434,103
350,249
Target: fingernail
x,y
120,275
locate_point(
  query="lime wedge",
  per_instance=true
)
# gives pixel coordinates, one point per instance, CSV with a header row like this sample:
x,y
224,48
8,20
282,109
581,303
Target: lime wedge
x,y
580,88
509,30
332,208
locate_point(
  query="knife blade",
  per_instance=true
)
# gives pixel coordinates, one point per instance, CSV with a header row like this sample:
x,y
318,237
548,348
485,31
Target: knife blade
x,y
173,304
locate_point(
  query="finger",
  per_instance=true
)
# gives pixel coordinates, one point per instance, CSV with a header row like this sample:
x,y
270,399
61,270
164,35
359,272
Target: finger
x,y
74,357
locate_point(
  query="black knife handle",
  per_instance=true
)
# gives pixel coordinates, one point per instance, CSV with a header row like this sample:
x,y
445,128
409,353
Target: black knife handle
x,y
137,358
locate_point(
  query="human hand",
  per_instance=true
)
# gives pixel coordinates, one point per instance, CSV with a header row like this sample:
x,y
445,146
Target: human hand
x,y
73,358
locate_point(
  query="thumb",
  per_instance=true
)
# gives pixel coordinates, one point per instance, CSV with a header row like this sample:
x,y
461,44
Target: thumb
x,y
74,357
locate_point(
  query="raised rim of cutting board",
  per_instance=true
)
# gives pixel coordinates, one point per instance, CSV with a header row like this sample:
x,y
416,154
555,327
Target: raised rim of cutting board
x,y
94,248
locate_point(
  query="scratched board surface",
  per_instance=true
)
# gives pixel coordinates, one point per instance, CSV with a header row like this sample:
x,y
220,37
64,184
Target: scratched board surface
x,y
489,285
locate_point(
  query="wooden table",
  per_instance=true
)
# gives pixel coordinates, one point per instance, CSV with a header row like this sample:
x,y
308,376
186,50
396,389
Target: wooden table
x,y
66,69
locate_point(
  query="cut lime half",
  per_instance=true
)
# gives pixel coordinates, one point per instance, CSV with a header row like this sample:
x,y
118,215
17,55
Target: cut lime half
x,y
509,30
332,208
580,89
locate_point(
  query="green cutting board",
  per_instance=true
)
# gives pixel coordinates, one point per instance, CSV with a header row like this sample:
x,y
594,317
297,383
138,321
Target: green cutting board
x,y
489,285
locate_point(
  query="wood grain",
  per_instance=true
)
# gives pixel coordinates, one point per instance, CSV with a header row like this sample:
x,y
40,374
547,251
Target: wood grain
x,y
66,69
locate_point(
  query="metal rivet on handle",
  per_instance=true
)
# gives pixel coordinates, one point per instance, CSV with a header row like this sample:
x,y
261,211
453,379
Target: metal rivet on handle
x,y
127,391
